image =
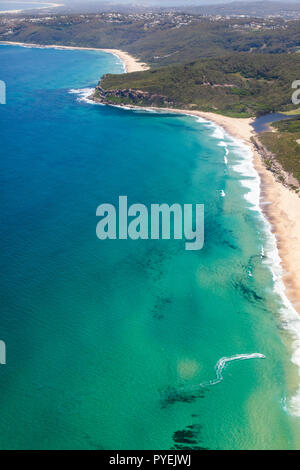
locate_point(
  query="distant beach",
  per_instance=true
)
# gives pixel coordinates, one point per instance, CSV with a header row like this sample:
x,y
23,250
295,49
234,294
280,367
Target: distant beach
x,y
131,64
39,6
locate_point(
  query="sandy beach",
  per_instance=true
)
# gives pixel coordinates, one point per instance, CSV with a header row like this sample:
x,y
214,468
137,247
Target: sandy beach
x,y
131,64
47,5
280,205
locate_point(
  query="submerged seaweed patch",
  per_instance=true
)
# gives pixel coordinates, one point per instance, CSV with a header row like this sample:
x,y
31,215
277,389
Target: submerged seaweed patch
x,y
188,438
160,306
171,395
248,293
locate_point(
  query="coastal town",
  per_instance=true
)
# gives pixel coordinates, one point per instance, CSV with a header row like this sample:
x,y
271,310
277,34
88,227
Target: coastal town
x,y
150,20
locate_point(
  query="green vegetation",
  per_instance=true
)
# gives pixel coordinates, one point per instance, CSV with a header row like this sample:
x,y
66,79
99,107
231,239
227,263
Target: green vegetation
x,y
292,112
285,144
238,67
236,85
289,125
204,39
161,42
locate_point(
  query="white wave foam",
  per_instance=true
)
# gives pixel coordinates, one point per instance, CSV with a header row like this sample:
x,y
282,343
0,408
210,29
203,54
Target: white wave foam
x,y
200,119
249,176
270,257
119,60
222,363
289,316
218,132
83,94
250,179
120,106
225,145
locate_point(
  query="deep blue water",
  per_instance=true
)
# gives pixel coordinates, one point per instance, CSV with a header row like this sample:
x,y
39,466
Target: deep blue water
x,y
107,342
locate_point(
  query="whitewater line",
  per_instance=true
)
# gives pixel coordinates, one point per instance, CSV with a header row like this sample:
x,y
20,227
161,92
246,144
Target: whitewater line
x,y
221,364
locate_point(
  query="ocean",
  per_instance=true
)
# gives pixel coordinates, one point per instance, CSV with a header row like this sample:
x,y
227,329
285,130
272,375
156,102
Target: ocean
x,y
124,344
7,6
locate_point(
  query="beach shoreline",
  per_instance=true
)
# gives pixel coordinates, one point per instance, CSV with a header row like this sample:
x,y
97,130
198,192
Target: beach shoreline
x,y
279,205
280,209
131,64
47,5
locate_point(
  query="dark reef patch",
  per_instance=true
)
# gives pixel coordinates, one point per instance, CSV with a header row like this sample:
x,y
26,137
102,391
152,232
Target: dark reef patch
x,y
188,438
160,306
171,395
248,293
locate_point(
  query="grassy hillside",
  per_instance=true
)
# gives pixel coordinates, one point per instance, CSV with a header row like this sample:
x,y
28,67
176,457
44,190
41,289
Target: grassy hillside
x,y
237,85
163,43
213,39
237,67
284,143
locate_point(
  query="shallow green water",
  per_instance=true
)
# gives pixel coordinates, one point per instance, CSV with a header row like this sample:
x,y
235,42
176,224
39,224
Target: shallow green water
x,y
108,341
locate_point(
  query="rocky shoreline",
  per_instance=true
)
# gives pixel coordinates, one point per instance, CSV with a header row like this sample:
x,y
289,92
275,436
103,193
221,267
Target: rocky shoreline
x,y
272,165
279,201
134,97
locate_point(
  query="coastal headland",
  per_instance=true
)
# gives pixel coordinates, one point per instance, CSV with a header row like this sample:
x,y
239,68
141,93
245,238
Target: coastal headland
x,y
280,205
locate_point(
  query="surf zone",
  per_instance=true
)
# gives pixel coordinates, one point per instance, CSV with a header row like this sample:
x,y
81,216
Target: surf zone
x,y
160,221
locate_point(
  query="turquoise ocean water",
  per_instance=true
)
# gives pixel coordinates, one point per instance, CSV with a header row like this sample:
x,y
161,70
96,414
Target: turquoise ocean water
x,y
113,344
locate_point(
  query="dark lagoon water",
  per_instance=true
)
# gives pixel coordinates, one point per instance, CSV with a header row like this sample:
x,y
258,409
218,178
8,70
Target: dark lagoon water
x,y
261,124
113,344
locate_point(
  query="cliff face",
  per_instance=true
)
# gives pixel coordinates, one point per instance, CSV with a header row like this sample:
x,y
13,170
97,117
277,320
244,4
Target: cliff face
x,y
131,96
273,165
